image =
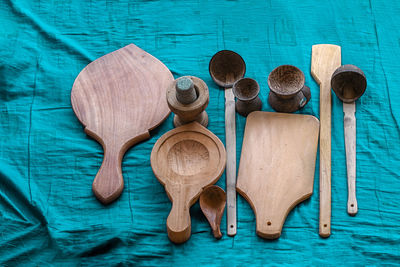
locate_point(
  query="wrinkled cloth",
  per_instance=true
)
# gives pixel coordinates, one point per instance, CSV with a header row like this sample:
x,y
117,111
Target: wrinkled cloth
x,y
49,215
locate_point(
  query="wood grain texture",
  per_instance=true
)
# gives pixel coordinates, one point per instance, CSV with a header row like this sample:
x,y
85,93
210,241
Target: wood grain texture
x,y
277,166
325,60
118,98
185,160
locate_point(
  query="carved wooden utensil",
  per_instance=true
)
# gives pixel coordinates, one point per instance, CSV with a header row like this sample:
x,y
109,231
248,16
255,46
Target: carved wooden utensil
x,y
185,160
325,59
212,203
118,98
349,83
277,166
226,67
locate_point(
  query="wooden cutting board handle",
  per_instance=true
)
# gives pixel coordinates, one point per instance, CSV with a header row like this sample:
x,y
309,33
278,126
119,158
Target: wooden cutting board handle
x,y
109,182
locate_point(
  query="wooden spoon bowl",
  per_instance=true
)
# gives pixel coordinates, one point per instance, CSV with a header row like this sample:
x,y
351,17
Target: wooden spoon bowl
x,y
212,203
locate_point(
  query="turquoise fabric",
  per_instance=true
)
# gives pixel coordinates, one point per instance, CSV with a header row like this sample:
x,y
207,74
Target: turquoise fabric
x,y
49,215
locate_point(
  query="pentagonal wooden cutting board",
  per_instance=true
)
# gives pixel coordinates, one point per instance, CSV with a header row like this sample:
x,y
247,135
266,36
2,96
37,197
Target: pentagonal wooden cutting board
x,y
118,98
277,164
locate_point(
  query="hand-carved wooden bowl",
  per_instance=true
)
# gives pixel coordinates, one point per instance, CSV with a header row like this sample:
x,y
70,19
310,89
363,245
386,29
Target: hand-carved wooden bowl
x,y
185,160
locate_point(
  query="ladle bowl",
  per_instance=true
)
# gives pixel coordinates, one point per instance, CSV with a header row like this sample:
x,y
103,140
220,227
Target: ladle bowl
x,y
226,67
349,83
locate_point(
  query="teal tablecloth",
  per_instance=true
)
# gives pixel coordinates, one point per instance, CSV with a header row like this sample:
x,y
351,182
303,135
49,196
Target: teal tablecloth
x,y
48,212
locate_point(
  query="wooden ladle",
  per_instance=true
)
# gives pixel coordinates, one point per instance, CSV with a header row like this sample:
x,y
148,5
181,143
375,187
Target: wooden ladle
x,y
212,203
349,83
226,67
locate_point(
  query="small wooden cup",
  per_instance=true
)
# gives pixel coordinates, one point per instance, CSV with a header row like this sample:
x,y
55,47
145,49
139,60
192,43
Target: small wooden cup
x,y
246,91
287,90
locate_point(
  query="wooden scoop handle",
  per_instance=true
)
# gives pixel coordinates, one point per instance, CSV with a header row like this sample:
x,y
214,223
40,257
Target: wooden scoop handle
x,y
230,133
108,184
349,110
178,221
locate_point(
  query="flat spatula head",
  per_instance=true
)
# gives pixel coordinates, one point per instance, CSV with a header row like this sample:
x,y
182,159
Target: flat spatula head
x,y
325,59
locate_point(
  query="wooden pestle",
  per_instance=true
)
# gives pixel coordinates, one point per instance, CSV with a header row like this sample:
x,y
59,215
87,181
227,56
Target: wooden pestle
x,y
188,98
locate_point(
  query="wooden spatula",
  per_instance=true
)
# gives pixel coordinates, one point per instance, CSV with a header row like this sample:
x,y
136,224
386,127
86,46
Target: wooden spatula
x,y
118,98
325,60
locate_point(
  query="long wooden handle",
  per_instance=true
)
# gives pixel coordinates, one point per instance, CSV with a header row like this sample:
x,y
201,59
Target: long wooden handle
x,y
325,160
349,122
108,184
230,134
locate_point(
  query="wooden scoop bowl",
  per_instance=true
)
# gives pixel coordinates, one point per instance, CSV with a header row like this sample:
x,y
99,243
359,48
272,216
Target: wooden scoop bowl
x,y
118,98
212,203
185,160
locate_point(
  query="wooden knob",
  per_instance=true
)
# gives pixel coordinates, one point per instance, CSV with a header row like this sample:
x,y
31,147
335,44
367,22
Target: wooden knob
x,y
188,97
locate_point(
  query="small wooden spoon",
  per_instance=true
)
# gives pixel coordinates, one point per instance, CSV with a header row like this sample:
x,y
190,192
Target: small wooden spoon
x,y
212,203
